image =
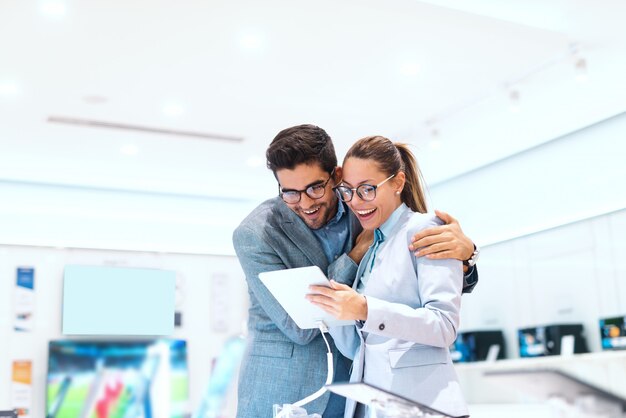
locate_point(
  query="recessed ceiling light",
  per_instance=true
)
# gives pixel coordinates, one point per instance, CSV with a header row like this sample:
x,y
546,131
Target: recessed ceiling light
x,y
129,149
435,140
514,101
95,99
173,109
581,70
410,69
53,8
9,89
251,42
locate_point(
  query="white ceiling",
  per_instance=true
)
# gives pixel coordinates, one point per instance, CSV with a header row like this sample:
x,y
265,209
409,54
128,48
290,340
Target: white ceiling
x,y
400,68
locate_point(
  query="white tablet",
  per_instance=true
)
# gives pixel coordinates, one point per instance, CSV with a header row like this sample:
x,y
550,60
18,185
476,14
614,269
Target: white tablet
x,y
290,287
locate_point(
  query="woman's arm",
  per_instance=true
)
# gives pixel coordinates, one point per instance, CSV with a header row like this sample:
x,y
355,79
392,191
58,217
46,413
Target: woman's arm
x,y
437,321
440,283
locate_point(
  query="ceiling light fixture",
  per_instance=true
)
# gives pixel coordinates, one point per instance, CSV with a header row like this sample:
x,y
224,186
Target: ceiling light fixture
x,y
514,101
9,89
95,99
580,65
255,161
173,109
410,69
252,42
525,76
53,8
129,149
103,124
435,140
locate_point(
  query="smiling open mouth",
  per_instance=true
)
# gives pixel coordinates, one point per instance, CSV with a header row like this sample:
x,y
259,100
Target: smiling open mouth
x,y
365,212
311,211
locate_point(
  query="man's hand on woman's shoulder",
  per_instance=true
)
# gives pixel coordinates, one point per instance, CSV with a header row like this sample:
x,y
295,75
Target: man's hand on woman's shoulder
x,y
444,241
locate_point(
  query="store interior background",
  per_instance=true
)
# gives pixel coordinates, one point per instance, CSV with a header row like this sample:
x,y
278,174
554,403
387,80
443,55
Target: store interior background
x,y
516,111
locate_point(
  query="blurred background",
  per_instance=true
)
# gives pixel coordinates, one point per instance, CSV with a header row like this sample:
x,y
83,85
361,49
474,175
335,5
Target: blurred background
x,y
133,134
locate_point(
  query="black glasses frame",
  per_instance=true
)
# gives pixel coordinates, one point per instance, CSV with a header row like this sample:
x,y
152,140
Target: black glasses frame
x,y
341,190
310,191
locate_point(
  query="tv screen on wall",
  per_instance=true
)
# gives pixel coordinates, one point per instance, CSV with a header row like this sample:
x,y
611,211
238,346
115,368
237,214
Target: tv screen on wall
x,y
106,379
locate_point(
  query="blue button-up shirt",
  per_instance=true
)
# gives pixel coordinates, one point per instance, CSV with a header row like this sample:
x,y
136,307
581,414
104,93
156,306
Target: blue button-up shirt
x,y
334,234
379,237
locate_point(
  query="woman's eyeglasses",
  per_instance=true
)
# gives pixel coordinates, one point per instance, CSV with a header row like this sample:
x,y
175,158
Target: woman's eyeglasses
x,y
366,192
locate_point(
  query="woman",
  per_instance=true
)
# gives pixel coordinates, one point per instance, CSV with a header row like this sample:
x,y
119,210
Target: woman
x,y
406,308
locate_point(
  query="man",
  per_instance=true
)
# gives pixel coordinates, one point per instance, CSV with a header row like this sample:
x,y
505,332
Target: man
x,y
306,225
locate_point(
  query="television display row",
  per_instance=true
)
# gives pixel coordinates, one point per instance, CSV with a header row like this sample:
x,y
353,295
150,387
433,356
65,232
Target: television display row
x,y
537,341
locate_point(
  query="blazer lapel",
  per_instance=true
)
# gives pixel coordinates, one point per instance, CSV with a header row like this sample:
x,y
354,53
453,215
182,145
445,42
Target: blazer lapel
x,y
303,238
359,271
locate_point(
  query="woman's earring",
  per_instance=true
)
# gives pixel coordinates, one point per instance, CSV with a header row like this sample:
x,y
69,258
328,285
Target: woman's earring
x,y
398,192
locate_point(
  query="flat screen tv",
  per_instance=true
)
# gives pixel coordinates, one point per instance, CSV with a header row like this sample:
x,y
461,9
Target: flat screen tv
x,y
613,333
117,379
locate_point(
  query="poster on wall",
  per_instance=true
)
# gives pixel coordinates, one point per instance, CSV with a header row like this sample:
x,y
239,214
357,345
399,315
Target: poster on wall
x,y
24,299
21,387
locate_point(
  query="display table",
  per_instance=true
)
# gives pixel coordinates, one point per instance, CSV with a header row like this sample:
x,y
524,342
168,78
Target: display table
x,y
606,370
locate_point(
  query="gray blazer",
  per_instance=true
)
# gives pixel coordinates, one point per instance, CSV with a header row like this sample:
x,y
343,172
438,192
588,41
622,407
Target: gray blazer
x,y
413,315
283,363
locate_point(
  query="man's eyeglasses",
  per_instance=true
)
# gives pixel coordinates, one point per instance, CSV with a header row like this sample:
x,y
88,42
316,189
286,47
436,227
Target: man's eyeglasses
x,y
366,192
314,191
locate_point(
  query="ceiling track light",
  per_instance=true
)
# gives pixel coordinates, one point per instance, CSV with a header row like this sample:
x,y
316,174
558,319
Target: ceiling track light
x,y
53,8
435,138
580,66
514,100
572,51
580,63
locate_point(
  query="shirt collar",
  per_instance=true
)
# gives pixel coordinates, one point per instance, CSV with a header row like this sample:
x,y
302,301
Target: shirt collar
x,y
341,210
387,227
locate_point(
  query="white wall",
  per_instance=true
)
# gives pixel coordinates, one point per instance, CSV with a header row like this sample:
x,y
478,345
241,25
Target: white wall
x,y
573,273
551,223
198,275
573,177
82,217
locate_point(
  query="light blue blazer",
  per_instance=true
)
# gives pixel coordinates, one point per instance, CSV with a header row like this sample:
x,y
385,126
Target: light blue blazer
x,y
413,315
283,363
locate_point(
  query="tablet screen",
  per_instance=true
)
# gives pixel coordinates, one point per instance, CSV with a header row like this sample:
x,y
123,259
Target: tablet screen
x,y
290,287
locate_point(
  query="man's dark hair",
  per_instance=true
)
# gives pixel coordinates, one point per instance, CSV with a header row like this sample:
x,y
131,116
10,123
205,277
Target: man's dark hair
x,y
302,144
